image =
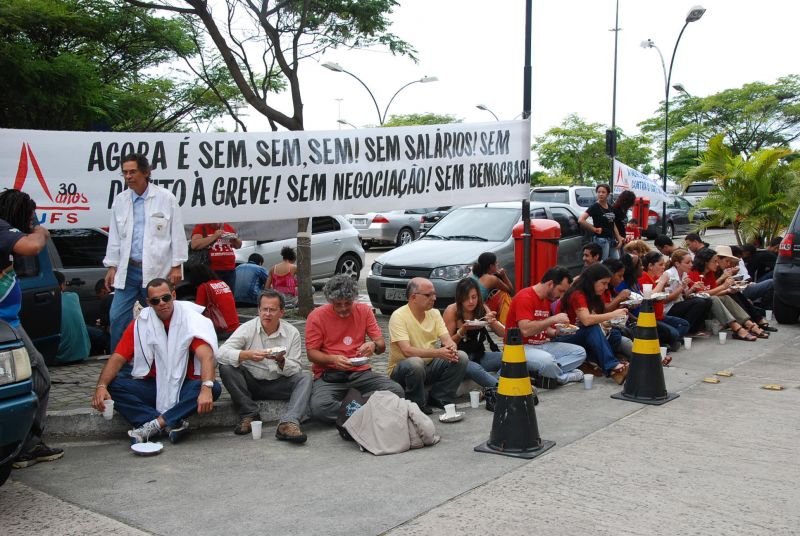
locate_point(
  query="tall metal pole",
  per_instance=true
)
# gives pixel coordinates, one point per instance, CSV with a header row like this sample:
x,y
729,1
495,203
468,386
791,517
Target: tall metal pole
x,y
526,113
666,128
613,134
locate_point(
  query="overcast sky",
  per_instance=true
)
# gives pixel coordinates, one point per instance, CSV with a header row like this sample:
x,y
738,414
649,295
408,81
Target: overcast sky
x,y
476,49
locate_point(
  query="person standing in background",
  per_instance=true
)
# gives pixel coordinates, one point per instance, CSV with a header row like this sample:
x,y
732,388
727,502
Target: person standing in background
x,y
220,239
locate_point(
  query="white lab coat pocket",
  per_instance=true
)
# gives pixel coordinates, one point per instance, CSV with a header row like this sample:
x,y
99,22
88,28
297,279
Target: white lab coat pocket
x,y
159,226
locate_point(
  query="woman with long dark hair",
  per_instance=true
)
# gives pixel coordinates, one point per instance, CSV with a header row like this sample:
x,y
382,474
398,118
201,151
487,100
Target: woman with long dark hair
x,y
489,277
602,229
584,305
472,339
622,205
723,308
214,293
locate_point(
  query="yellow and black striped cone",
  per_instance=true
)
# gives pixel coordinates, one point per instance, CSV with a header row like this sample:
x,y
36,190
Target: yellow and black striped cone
x,y
645,380
514,429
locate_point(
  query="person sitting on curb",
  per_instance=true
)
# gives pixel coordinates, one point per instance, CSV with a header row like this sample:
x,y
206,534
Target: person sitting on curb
x,y
251,279
251,372
414,359
171,346
74,344
530,311
335,333
591,254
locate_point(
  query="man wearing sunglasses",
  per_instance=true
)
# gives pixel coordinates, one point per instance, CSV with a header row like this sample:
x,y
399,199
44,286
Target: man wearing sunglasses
x,y
171,347
261,361
414,359
145,241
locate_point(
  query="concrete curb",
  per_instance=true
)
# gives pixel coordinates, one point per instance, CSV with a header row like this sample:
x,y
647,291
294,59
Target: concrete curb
x,y
88,423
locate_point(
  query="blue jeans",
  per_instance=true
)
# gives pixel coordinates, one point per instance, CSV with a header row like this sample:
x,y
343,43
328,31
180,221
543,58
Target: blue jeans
x,y
756,291
136,400
121,312
598,349
608,246
554,359
481,371
672,329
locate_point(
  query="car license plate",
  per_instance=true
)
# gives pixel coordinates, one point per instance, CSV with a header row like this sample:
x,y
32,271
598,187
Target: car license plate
x,y
359,221
395,294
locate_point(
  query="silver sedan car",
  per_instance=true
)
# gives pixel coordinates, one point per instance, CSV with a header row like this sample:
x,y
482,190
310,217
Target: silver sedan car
x,y
335,249
398,227
445,254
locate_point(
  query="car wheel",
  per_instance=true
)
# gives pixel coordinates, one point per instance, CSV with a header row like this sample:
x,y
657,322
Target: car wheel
x,y
784,314
5,471
349,265
405,236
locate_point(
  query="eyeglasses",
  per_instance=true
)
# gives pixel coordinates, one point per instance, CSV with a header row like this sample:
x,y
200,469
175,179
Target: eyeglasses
x,y
426,294
127,172
166,298
269,310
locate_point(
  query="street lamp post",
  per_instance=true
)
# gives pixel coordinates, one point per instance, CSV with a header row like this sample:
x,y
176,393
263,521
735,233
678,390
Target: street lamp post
x,y
381,117
680,87
486,109
694,15
344,122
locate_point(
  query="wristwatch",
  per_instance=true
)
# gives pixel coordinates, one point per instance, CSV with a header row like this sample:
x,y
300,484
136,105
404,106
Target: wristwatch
x,y
208,383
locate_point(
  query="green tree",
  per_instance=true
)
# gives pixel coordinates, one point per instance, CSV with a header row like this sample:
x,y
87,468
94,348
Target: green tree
x,y
575,151
406,120
260,42
87,64
757,195
752,117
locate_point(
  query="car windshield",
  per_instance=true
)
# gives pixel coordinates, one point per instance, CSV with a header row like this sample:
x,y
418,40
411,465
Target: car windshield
x,y
476,223
551,196
698,188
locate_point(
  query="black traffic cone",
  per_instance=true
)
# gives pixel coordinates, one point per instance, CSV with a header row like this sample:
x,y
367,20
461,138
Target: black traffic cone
x,y
645,380
514,429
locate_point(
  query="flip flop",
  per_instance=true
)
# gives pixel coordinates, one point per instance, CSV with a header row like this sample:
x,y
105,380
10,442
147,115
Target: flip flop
x,y
749,337
762,335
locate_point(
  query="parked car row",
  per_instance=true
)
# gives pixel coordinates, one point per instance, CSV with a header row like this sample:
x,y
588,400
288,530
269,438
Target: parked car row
x,y
446,253
680,219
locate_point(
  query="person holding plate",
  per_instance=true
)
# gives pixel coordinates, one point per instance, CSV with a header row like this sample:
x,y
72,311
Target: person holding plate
x,y
337,346
261,361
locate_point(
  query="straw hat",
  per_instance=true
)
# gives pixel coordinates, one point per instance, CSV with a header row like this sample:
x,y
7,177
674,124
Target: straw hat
x,y
725,251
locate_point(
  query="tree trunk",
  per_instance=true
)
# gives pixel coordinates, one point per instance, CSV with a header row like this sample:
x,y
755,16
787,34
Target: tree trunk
x,y
305,290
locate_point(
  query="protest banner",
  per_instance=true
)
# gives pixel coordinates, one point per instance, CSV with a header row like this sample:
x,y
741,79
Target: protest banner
x,y
236,177
627,178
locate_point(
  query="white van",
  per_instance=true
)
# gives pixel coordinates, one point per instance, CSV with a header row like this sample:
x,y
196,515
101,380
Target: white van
x,y
578,197
697,191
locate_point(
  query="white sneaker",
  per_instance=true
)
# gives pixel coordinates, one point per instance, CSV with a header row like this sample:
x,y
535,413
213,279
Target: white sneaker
x,y
144,432
574,376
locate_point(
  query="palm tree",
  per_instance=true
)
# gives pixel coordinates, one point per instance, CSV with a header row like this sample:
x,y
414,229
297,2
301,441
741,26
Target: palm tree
x,y
757,195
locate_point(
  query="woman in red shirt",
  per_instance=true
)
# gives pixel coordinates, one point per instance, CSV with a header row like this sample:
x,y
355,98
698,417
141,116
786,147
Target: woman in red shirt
x,y
671,329
723,308
214,293
584,305
221,240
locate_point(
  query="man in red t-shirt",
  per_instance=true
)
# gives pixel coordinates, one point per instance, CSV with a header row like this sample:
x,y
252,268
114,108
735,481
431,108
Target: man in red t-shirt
x,y
153,404
336,333
220,239
530,312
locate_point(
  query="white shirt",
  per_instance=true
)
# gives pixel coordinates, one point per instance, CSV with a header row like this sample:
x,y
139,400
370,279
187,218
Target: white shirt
x,y
743,270
669,288
165,243
251,336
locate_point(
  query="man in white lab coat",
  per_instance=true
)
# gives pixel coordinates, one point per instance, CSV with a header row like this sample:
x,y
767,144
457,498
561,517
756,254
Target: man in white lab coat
x,y
145,241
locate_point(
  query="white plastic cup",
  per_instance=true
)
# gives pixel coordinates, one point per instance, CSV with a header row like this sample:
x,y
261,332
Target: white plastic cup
x,y
108,413
768,315
255,428
450,410
687,343
663,352
723,337
588,381
474,399
647,291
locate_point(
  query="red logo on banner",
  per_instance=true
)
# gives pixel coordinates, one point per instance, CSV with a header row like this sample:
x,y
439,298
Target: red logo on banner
x,y
67,200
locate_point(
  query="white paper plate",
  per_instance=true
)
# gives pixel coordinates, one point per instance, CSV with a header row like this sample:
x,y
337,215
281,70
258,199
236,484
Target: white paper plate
x,y
276,350
618,321
703,295
147,449
476,323
631,303
447,419
358,361
658,296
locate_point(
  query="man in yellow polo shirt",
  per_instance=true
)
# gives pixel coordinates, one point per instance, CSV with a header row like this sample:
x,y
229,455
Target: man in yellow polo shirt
x,y
414,359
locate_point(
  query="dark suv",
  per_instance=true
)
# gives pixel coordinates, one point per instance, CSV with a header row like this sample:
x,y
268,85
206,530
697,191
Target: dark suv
x,y
786,276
